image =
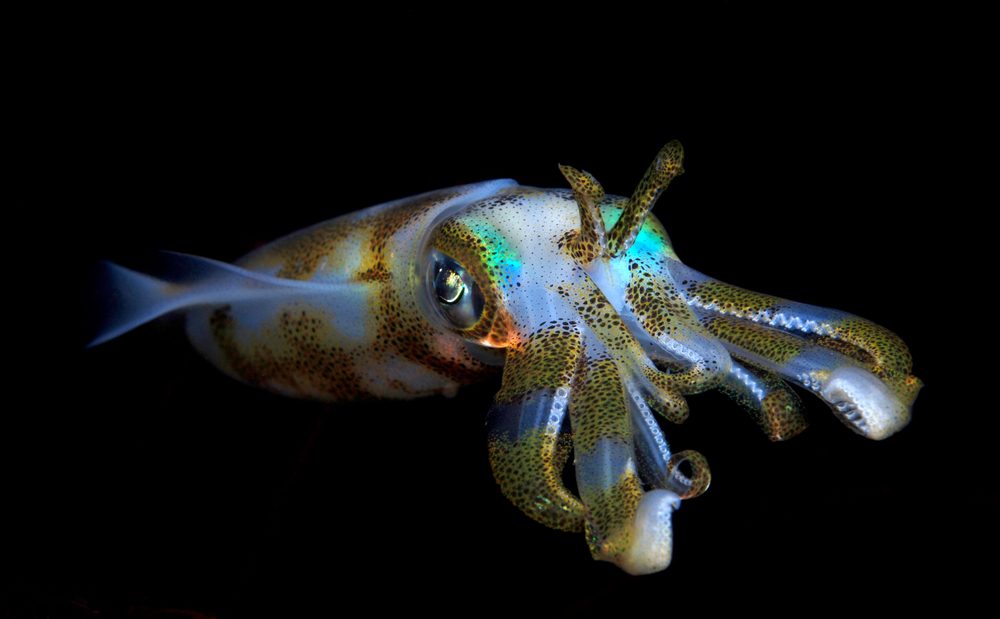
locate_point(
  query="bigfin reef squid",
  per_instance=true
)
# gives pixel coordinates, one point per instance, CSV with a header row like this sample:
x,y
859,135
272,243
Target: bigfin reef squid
x,y
600,329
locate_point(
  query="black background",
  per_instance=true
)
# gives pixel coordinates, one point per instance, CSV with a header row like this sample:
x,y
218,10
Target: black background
x,y
140,478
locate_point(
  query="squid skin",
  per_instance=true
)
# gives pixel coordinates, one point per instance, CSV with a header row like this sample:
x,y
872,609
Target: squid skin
x,y
600,328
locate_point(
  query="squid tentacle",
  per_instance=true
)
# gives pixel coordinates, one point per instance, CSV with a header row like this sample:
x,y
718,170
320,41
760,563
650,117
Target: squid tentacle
x,y
884,352
771,402
527,445
660,389
667,166
856,395
654,304
859,368
673,328
651,446
590,242
657,465
703,363
690,484
775,407
624,524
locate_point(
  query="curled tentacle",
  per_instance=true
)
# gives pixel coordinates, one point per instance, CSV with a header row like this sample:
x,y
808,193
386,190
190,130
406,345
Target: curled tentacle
x,y
691,484
527,450
657,466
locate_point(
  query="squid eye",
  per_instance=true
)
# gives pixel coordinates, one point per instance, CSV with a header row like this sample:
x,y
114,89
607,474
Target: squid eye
x,y
457,295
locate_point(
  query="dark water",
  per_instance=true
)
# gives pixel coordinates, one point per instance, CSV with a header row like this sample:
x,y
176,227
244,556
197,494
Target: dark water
x,y
140,478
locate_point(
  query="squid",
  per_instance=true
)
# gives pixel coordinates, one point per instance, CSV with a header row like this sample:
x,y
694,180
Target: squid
x,y
601,331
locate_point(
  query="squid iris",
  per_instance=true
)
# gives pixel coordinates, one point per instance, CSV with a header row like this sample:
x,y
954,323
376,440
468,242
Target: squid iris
x,y
600,329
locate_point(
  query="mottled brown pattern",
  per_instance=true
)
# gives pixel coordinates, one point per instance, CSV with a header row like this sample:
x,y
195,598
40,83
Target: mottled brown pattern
x,y
662,312
386,223
779,415
589,242
397,326
610,513
782,416
769,343
892,357
599,413
670,403
298,356
659,307
697,480
597,312
374,273
529,473
906,387
667,166
881,351
586,357
597,407
732,300
593,308
529,470
847,349
300,258
546,359
401,327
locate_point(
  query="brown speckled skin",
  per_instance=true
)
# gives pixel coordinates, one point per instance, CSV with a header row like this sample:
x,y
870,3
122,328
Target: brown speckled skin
x,y
529,468
667,166
590,242
301,346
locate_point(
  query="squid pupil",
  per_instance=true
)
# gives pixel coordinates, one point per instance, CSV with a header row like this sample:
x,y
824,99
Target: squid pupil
x,y
449,286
